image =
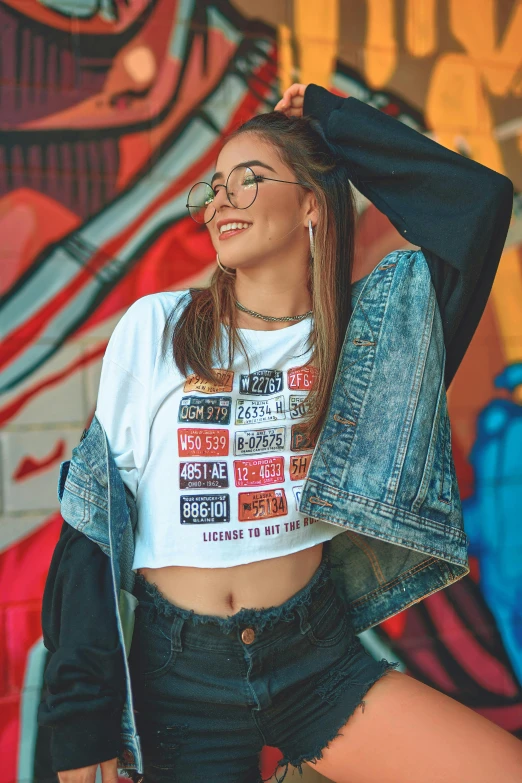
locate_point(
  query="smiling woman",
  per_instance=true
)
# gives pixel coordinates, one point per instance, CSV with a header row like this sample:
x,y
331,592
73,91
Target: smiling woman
x,y
273,472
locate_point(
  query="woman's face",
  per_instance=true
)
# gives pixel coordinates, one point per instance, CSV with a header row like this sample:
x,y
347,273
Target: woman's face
x,y
277,222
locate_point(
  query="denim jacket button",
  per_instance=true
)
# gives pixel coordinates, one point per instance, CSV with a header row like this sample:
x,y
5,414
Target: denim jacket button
x,y
248,635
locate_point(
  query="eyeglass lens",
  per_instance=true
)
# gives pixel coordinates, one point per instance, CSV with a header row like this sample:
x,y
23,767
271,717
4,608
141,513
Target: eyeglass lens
x,y
241,191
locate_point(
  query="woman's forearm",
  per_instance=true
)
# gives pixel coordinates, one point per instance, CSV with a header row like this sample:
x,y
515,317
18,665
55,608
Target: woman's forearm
x,y
455,209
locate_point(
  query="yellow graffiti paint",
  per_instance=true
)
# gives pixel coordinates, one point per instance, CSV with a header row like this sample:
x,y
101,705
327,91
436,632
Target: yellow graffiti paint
x,y
285,61
380,47
421,27
317,32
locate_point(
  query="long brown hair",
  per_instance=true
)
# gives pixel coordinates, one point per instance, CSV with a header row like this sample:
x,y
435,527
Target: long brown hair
x,y
197,328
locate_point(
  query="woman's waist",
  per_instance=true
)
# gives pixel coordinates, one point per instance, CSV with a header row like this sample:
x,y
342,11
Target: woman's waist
x,y
224,591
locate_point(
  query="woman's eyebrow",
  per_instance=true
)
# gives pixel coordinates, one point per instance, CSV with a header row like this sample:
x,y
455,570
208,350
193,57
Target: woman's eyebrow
x,y
219,174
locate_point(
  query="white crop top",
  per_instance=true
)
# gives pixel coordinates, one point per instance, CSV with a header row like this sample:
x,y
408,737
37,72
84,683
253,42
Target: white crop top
x,y
216,471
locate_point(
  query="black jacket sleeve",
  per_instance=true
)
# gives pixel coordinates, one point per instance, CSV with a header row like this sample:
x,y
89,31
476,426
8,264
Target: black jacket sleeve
x,y
84,678
457,210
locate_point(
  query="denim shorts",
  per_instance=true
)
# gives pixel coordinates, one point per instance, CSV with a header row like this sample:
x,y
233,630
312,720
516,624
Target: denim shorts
x,y
211,691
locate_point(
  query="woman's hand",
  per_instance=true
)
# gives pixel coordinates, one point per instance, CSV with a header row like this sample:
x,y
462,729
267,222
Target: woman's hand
x,y
292,101
109,771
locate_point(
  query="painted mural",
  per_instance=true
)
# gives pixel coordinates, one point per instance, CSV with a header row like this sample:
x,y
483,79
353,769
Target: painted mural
x,y
109,111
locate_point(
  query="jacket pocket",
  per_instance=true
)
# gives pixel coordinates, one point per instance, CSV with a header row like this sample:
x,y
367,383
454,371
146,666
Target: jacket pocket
x,y
436,487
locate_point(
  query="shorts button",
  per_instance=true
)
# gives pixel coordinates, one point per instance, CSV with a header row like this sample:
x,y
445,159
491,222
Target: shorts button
x,y
248,635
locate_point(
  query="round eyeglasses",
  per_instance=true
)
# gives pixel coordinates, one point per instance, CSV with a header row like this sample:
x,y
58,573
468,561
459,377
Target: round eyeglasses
x,y
241,188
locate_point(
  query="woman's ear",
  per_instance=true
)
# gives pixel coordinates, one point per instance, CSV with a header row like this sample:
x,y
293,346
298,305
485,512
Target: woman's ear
x,y
312,209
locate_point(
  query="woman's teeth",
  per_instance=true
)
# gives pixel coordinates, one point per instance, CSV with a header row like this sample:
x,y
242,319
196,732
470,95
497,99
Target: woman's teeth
x,y
232,226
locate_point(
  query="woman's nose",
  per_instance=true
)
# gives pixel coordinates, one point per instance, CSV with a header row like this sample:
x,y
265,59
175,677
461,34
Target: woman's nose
x,y
221,197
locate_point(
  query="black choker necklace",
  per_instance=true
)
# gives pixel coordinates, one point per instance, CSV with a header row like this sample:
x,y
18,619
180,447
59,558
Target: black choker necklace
x,y
272,318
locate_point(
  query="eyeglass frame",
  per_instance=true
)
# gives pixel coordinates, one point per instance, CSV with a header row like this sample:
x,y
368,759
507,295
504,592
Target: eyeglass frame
x,y
220,185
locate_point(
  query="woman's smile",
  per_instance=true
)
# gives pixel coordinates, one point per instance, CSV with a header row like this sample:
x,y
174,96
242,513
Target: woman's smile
x,y
227,233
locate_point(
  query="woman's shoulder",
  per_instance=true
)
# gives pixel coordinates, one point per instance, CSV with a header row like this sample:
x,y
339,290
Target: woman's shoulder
x,y
139,330
156,306
148,314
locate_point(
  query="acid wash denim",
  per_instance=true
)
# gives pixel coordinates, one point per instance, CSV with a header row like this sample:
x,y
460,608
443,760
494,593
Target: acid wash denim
x,y
382,468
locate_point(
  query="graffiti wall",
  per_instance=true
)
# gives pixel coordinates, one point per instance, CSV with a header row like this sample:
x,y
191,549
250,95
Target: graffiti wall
x,y
109,111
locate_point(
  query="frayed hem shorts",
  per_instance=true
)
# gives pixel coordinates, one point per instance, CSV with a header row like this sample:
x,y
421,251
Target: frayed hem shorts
x,y
210,691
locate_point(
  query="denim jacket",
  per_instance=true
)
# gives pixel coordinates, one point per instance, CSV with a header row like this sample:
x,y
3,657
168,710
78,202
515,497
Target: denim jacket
x,y
382,467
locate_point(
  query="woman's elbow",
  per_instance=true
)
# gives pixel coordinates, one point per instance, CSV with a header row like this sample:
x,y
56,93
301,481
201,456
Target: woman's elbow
x,y
498,202
504,193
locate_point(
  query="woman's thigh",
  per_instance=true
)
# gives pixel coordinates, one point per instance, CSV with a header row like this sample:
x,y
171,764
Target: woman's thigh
x,y
410,732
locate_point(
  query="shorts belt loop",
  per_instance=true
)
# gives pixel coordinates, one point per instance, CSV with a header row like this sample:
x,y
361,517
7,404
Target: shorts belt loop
x,y
177,627
304,625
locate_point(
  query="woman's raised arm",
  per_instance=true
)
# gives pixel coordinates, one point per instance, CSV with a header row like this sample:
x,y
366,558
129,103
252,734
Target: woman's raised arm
x,y
457,210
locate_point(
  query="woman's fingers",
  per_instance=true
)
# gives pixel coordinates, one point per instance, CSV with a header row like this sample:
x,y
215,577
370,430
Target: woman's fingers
x,y
292,101
296,89
79,775
109,771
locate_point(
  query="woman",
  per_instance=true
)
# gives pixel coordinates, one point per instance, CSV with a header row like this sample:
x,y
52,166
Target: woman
x,y
242,638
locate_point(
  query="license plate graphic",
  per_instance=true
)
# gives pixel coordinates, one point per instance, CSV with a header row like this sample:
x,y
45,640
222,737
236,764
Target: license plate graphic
x,y
201,410
253,472
301,378
299,441
204,509
193,442
299,467
297,495
194,382
262,505
203,475
261,382
257,411
258,441
298,406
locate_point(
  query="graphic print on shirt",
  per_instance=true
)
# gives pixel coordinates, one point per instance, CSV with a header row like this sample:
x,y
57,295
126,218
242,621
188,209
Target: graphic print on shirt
x,y
299,440
262,382
203,475
255,472
216,471
297,494
257,411
201,410
301,378
262,505
195,442
195,382
298,406
204,509
259,441
299,467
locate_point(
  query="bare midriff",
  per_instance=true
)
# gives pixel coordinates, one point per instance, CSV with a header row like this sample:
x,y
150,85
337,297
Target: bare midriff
x,y
224,591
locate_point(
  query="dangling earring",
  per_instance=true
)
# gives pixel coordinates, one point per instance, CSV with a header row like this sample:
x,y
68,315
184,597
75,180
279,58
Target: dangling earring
x,y
312,243
224,269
